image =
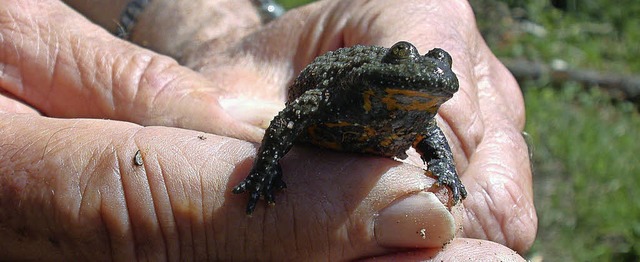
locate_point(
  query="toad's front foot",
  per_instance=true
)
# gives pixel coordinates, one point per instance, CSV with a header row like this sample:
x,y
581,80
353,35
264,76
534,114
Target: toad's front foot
x,y
261,183
446,175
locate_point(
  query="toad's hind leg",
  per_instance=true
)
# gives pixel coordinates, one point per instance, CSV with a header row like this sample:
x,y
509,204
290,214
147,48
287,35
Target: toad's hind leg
x,y
265,176
436,153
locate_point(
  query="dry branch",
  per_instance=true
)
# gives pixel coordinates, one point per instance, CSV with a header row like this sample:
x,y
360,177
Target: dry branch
x,y
628,87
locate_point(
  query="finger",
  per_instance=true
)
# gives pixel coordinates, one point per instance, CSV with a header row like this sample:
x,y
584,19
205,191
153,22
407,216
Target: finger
x,y
9,104
500,171
460,249
64,66
74,188
61,185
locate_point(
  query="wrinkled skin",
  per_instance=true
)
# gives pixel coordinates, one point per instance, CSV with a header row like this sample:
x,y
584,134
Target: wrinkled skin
x,y
69,187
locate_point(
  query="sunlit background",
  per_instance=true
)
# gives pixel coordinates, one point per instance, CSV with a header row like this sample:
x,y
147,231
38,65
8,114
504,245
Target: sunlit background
x,y
577,63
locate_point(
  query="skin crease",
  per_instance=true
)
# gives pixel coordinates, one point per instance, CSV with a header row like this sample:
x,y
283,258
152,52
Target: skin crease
x,y
69,188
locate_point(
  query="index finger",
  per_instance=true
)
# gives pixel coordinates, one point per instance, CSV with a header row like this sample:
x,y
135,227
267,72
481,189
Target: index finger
x,y
64,66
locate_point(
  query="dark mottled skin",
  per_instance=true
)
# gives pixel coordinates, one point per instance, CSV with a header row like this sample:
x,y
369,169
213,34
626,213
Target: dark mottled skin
x,y
363,99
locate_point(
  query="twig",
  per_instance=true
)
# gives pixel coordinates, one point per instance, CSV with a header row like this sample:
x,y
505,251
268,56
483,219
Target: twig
x,y
624,85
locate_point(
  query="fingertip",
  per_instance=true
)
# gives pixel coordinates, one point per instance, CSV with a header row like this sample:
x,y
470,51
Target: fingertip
x,y
254,112
417,221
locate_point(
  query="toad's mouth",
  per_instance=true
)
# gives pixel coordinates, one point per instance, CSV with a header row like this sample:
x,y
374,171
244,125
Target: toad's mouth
x,y
404,100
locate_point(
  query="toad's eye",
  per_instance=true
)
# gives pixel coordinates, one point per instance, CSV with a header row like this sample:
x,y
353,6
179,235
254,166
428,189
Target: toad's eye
x,y
401,51
441,55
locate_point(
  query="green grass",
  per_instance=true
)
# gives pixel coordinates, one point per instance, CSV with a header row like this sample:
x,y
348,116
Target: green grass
x,y
586,149
293,3
598,34
586,174
586,160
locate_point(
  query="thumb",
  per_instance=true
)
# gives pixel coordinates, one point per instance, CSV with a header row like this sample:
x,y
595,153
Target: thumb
x,y
64,66
459,249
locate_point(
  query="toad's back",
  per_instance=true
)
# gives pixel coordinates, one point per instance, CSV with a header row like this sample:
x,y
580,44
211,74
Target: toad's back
x,y
378,104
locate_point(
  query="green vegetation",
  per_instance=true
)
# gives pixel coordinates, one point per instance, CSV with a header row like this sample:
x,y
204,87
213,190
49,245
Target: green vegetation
x,y
293,3
587,176
597,34
587,173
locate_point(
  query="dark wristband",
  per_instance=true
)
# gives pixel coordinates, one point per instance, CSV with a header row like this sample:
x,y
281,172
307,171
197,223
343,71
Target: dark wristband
x,y
129,17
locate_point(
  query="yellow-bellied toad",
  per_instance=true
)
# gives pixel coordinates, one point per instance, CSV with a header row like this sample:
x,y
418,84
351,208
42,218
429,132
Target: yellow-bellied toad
x,y
364,99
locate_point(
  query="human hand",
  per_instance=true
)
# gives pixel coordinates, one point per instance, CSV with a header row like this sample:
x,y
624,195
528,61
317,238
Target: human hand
x,y
76,69
483,121
137,211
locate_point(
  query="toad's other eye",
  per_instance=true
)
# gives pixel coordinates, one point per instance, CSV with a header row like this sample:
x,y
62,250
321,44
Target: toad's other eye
x,y
399,52
441,55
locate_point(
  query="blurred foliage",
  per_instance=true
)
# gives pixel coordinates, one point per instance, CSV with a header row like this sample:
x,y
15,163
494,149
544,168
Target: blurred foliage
x,y
594,34
586,174
586,171
293,3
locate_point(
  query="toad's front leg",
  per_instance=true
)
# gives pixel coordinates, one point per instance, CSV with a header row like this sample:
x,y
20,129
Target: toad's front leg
x,y
266,175
436,153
